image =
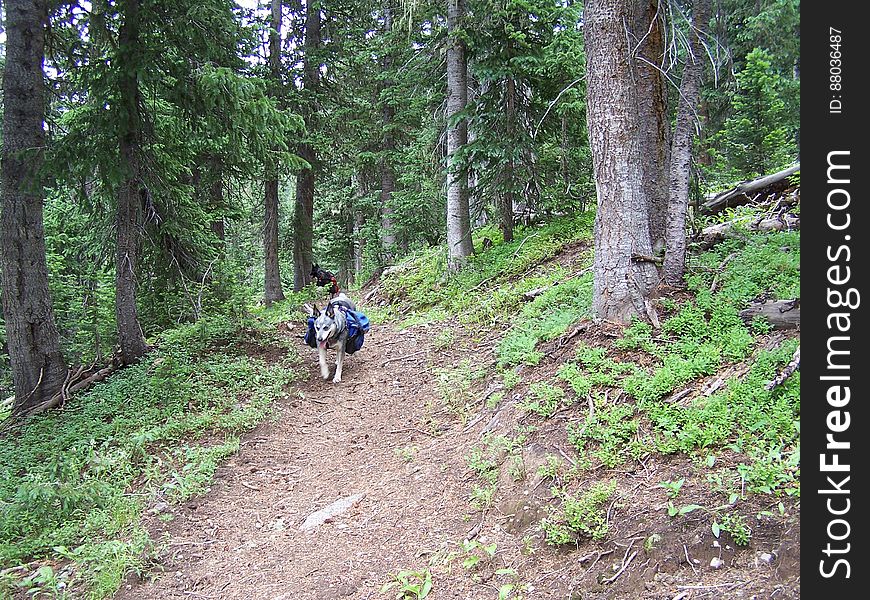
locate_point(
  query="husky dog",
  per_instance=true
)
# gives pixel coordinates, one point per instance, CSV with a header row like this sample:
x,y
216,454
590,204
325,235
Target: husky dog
x,y
330,329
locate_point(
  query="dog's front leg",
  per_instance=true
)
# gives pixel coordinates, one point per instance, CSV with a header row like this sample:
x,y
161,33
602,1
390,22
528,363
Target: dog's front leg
x,y
339,362
324,368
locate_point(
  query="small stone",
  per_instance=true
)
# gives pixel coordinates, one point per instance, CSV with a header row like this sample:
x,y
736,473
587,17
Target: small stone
x,y
766,557
158,507
717,563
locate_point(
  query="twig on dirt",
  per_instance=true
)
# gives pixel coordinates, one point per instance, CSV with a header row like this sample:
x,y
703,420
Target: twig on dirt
x,y
568,458
622,569
597,558
205,543
405,357
409,429
712,586
689,560
476,529
474,422
249,486
523,242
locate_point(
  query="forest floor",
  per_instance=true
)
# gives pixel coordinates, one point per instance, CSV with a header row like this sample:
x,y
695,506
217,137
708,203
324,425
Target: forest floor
x,y
384,437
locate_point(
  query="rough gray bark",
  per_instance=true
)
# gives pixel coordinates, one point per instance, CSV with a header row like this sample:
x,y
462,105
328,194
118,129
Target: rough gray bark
x,y
388,145
681,149
648,25
273,290
132,192
38,368
621,286
459,246
303,216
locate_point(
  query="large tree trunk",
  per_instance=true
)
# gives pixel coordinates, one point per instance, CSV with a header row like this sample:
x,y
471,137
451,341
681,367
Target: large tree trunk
x,y
132,192
216,199
647,28
38,368
506,206
273,290
388,175
459,246
681,151
303,222
303,217
621,286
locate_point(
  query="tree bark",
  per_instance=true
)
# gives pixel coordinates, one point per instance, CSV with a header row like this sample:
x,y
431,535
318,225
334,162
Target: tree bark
x,y
681,149
38,368
388,175
459,246
506,206
303,216
131,193
621,286
358,241
273,289
647,28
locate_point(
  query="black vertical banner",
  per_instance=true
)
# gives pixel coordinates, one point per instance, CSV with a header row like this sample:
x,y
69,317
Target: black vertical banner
x,y
835,427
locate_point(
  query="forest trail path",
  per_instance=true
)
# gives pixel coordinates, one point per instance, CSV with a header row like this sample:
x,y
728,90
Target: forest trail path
x,y
242,540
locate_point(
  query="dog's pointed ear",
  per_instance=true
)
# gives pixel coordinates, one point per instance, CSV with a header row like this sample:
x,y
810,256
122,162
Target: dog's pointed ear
x,y
314,311
330,310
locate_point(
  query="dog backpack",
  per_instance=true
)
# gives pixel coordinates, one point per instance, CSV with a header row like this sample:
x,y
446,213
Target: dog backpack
x,y
310,336
357,326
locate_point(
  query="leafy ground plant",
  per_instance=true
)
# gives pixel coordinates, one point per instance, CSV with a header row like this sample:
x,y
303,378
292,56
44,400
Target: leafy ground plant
x,y
161,426
410,585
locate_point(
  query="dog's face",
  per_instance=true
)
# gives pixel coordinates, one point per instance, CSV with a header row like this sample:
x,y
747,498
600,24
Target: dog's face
x,y
325,325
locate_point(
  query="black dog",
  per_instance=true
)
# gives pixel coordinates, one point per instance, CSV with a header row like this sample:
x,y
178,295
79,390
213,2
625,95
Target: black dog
x,y
325,278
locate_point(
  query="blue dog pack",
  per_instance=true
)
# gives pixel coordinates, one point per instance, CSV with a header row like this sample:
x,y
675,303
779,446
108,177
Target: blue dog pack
x,y
357,326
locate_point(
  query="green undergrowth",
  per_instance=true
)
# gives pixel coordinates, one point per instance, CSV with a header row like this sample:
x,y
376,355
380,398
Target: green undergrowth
x,y
626,390
75,482
491,285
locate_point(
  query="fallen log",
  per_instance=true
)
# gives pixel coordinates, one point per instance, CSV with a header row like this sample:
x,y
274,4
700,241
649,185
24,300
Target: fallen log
x,y
712,235
749,191
793,365
782,314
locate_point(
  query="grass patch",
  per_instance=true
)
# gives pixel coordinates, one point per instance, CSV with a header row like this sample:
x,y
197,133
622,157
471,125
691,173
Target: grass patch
x,y
75,482
545,318
703,336
500,274
585,516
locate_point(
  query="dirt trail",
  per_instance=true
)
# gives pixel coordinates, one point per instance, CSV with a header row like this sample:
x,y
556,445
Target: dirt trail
x,y
329,441
242,540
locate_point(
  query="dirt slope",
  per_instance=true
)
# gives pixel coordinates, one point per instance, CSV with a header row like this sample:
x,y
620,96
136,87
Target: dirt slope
x,y
364,436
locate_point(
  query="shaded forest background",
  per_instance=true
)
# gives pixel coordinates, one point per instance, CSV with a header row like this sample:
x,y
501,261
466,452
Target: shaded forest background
x,y
274,136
